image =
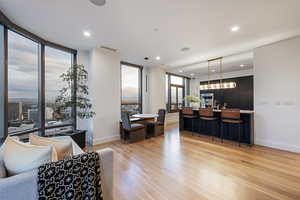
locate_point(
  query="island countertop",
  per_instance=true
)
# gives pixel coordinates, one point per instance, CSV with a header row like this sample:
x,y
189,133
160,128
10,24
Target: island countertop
x,y
242,111
199,126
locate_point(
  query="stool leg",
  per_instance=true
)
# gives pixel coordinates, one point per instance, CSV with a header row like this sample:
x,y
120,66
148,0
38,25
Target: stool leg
x,y
192,126
239,135
211,129
206,127
212,124
199,127
222,126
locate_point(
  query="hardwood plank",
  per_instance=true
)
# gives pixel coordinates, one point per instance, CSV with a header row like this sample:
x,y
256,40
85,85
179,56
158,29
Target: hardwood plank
x,y
181,166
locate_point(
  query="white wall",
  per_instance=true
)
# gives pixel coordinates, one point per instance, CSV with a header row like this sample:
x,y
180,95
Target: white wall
x,y
104,83
156,91
277,95
83,58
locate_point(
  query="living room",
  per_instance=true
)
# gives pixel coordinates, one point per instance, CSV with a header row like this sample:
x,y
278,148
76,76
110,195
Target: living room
x,y
172,99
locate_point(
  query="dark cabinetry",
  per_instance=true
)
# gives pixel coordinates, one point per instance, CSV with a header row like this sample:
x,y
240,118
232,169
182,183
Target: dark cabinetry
x,y
240,97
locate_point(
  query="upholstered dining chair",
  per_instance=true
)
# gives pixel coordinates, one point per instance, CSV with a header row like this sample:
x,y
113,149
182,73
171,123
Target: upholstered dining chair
x,y
159,125
132,132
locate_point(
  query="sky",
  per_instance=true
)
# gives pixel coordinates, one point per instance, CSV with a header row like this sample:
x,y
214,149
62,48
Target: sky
x,y
130,83
23,71
23,68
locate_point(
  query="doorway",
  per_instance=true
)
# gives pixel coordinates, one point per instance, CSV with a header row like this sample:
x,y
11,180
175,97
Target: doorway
x,y
176,97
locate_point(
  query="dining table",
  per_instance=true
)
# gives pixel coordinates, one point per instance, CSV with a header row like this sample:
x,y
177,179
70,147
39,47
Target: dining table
x,y
145,116
140,119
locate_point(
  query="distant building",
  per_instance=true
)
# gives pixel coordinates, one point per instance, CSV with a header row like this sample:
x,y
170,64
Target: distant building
x,y
49,113
33,115
14,112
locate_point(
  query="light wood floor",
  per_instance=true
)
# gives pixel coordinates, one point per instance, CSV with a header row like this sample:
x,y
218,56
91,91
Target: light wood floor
x,y
192,168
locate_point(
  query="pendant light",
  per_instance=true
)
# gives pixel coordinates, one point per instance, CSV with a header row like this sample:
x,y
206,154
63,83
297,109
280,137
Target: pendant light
x,y
221,84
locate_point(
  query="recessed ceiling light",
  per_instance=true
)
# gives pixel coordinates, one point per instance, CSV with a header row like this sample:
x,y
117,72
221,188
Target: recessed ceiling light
x,y
235,28
87,34
184,49
98,2
180,71
192,74
213,70
157,58
242,65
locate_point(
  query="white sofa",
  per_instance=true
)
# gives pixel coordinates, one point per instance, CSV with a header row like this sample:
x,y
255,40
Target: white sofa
x,y
24,186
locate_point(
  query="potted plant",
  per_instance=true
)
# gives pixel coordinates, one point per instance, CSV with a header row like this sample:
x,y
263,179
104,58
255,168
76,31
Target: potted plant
x,y
194,101
75,78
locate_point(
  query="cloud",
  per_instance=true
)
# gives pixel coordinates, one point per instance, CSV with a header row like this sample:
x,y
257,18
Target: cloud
x,y
23,68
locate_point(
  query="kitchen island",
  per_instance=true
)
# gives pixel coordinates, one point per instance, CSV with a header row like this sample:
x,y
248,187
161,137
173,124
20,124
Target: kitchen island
x,y
230,131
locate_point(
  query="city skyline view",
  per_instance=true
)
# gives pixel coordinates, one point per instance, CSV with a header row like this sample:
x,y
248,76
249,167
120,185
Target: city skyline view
x,y
23,69
23,83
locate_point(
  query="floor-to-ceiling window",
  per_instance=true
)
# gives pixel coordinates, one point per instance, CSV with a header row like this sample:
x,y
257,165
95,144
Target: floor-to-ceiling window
x,y
23,83
31,83
57,63
177,87
131,88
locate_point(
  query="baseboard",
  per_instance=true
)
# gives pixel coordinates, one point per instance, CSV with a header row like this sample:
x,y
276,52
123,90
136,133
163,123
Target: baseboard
x,y
106,139
281,146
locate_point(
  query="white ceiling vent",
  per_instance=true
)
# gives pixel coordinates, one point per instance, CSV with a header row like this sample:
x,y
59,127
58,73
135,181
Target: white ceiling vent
x,y
108,48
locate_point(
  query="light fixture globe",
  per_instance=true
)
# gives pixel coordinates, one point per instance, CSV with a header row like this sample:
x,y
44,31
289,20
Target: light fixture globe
x,y
98,2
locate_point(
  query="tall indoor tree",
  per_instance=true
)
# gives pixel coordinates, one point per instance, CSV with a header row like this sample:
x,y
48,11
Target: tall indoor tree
x,y
76,78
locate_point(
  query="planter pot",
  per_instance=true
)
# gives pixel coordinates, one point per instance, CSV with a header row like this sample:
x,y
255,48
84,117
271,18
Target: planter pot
x,y
195,106
79,136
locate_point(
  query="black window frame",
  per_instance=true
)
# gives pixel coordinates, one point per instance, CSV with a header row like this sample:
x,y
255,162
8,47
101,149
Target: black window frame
x,y
9,25
140,103
73,93
185,90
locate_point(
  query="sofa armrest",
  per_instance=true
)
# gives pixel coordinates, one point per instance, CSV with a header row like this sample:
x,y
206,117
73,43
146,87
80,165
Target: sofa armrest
x,y
19,187
106,156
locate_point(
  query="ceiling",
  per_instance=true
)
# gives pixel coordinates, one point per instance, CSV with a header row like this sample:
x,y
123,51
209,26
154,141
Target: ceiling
x,y
237,62
140,28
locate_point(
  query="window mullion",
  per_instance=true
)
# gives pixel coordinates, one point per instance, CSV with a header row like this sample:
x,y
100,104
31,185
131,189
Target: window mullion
x,y
74,93
41,106
3,85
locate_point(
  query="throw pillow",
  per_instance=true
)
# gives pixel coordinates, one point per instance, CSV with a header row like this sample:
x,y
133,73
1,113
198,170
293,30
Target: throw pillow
x,y
20,157
3,145
63,148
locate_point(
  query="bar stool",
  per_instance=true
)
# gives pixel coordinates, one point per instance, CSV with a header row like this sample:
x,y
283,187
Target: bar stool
x,y
231,116
207,115
188,113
